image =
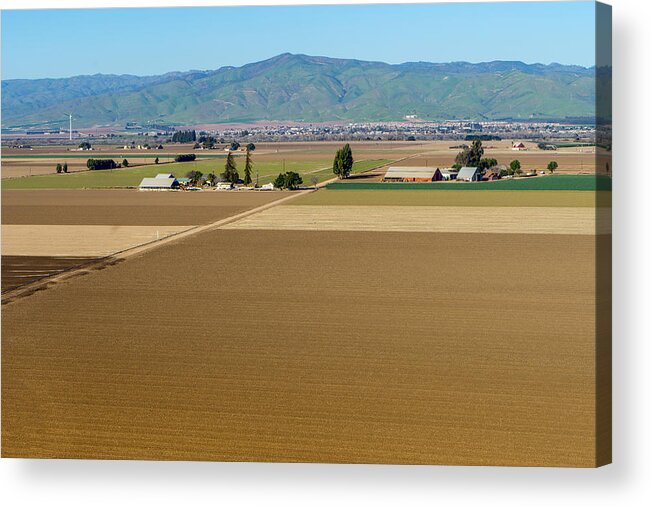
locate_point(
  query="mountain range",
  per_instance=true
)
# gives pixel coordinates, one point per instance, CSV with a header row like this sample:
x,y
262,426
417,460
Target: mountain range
x,y
310,89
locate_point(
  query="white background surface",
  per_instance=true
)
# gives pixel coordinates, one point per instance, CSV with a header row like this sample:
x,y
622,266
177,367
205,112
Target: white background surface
x,y
626,482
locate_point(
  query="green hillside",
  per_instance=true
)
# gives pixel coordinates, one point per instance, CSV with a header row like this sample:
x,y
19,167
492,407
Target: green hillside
x,y
306,88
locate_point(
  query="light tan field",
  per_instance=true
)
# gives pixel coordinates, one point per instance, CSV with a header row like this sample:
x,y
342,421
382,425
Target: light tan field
x,y
496,220
503,198
16,168
359,347
79,240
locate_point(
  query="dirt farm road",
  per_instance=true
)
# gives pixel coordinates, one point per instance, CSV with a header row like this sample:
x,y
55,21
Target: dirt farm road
x,y
41,283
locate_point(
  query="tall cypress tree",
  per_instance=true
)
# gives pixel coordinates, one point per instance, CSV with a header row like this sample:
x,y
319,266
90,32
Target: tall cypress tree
x,y
230,173
337,166
343,162
248,168
347,160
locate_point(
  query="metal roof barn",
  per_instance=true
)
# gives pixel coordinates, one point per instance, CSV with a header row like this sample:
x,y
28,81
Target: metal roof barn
x,y
158,184
469,174
413,174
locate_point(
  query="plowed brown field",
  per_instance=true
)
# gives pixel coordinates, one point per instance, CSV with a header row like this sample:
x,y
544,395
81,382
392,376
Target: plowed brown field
x,y
126,207
313,346
19,270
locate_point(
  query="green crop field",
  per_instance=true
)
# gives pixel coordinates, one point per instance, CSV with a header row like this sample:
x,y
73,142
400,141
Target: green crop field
x,y
131,177
515,198
551,182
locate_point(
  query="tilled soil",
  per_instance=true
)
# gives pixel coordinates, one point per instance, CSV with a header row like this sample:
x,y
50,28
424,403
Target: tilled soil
x,y
126,207
351,347
19,270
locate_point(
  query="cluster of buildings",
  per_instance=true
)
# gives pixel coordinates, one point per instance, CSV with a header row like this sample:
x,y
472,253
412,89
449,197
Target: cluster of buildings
x,y
410,130
168,182
428,174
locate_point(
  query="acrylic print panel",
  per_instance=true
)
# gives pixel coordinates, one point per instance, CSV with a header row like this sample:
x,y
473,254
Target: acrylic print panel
x,y
371,242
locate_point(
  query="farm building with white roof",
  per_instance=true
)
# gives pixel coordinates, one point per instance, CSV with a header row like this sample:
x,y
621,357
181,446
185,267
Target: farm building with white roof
x,y
160,182
469,174
413,174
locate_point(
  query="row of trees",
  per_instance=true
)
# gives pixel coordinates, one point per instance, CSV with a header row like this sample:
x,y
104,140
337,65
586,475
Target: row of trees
x,y
97,164
184,136
190,157
62,168
230,174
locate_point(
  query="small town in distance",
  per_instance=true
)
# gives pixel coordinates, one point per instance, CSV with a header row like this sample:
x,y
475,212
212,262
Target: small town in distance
x,y
460,152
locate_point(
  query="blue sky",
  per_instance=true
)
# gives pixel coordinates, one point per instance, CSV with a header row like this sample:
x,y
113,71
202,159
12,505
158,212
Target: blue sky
x,y
60,43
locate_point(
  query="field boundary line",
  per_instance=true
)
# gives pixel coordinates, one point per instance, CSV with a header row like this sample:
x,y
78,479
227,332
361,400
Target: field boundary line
x,y
41,283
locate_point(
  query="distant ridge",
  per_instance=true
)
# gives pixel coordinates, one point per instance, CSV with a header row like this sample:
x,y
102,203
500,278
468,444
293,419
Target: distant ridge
x,y
308,88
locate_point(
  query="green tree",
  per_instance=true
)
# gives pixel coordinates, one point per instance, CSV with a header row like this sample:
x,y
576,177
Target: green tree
x,y
100,163
292,180
235,146
250,147
156,160
211,178
248,168
125,163
552,166
59,168
184,136
470,157
487,163
279,182
230,173
343,162
190,157
85,145
194,176
289,180
65,167
515,167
